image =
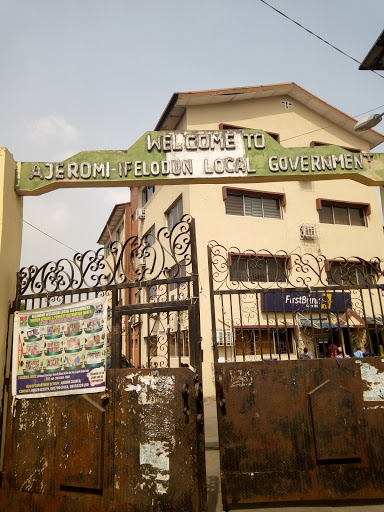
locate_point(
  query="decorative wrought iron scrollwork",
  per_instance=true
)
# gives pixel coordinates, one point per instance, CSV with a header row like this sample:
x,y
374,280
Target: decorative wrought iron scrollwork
x,y
236,269
137,259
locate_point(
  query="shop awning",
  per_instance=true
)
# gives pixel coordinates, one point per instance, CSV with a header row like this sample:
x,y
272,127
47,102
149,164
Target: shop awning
x,y
323,323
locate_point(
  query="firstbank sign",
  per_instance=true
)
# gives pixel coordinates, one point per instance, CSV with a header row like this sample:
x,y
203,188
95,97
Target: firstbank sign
x,y
199,157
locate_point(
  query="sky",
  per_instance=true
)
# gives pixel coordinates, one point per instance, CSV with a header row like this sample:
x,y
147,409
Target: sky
x,y
95,74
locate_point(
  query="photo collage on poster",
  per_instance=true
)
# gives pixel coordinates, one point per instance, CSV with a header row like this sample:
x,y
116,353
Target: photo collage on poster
x,y
60,350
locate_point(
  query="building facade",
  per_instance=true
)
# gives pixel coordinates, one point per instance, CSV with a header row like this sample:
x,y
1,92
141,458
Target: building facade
x,y
263,227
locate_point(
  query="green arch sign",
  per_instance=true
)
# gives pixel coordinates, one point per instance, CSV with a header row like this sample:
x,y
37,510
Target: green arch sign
x,y
230,156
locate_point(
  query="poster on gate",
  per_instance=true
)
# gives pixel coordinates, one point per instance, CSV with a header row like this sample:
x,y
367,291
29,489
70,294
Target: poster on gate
x,y
60,350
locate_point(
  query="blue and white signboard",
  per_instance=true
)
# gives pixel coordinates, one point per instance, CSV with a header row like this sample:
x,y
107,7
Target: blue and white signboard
x,y
315,301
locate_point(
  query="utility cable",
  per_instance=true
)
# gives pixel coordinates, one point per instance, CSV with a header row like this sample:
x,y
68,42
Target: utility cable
x,y
49,236
318,37
330,125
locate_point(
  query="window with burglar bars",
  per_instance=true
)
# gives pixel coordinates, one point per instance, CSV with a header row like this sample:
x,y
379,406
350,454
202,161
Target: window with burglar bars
x,y
347,215
350,274
258,269
253,206
259,341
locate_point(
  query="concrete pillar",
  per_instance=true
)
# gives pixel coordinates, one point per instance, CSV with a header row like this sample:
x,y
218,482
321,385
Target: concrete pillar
x,y
11,223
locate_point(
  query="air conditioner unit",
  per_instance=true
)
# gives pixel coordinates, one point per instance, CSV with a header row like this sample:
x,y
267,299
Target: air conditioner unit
x,y
309,231
140,262
136,319
221,341
140,213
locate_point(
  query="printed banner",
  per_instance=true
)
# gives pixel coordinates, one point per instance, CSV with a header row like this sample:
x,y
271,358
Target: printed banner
x,y
336,302
60,350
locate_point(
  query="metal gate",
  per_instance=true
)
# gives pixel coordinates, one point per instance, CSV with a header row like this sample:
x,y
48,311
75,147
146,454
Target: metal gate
x,y
140,445
298,348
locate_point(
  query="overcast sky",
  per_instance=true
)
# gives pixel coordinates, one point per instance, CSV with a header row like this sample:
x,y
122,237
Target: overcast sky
x,y
90,74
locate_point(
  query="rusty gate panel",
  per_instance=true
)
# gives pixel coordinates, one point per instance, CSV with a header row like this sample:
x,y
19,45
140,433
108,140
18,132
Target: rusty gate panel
x,y
136,450
56,455
86,418
159,445
301,430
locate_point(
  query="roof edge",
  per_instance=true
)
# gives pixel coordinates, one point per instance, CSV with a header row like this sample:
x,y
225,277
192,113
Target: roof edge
x,y
110,218
248,89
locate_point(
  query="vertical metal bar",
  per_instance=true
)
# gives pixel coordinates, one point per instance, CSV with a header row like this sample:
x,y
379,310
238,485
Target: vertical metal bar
x,y
347,318
212,302
148,340
241,328
379,292
224,326
116,333
196,355
312,326
276,325
334,353
258,306
285,328
321,323
168,327
364,314
128,323
268,333
141,363
232,329
169,340
338,319
178,338
296,327
371,348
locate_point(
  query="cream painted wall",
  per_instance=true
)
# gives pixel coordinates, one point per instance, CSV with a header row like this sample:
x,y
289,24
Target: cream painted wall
x,y
182,124
296,125
205,202
11,220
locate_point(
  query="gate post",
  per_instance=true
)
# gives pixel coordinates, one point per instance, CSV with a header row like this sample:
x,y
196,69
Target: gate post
x,y
11,223
194,313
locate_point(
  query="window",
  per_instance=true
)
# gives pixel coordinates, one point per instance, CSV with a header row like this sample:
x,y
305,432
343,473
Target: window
x,y
150,237
176,271
346,214
148,193
263,341
253,203
347,273
258,269
175,213
179,346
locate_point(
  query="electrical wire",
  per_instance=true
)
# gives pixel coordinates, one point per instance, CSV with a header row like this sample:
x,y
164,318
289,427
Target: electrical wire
x,y
318,37
330,125
49,236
